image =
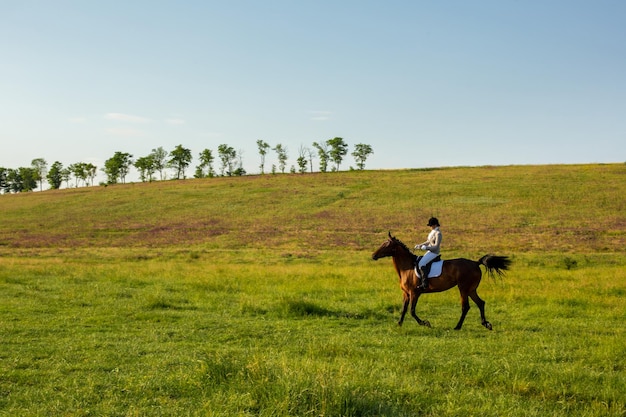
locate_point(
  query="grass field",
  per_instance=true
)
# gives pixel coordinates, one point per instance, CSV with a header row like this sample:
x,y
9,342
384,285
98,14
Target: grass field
x,y
259,297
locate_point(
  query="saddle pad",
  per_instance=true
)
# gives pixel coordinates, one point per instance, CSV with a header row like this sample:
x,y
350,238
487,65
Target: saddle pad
x,y
435,269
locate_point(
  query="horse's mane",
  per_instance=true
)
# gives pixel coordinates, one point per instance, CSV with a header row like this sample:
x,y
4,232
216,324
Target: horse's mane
x,y
406,248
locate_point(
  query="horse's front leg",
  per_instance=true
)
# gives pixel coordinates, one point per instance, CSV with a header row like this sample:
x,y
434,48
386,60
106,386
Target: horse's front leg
x,y
414,297
405,306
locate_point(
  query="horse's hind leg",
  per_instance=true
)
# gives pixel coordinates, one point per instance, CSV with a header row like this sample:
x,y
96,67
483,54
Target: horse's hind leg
x,y
464,309
481,306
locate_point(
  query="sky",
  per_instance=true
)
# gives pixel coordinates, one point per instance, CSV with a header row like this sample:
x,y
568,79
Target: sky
x,y
425,83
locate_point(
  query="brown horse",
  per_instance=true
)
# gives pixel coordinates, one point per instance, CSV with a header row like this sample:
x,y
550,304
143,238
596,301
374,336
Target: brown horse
x,y
462,272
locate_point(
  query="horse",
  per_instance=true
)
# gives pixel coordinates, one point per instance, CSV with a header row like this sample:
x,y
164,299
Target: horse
x,y
464,273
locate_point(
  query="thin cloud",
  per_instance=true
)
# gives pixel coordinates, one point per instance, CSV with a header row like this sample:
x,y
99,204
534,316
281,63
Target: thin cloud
x,y
77,120
213,135
121,117
175,122
125,132
320,115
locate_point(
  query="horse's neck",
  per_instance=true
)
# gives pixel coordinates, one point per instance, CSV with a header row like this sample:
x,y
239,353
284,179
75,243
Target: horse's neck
x,y
404,262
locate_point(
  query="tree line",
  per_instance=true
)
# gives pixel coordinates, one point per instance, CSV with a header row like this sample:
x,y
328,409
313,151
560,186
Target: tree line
x,y
154,166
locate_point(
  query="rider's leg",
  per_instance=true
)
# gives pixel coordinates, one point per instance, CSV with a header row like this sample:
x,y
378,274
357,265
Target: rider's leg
x,y
424,278
428,256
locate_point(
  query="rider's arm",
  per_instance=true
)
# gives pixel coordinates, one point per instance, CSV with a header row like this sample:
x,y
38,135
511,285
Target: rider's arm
x,y
435,244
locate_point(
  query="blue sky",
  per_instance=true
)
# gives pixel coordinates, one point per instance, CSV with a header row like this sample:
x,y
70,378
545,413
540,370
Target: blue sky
x,y
425,83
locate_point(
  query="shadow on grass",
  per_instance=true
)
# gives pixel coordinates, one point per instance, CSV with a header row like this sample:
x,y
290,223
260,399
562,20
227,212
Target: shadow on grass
x,y
164,303
304,308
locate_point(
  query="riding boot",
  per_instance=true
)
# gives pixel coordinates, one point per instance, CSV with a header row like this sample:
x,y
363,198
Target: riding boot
x,y
424,278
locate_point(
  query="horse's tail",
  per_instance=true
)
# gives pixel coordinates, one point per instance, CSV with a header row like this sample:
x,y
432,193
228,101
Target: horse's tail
x,y
497,264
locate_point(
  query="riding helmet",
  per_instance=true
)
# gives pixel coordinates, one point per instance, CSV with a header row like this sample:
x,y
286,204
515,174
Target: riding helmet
x,y
433,222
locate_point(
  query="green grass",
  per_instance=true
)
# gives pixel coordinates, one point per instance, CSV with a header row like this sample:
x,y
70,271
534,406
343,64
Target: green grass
x,y
215,335
135,309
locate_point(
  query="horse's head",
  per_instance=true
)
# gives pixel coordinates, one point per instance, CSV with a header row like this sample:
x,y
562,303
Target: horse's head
x,y
389,247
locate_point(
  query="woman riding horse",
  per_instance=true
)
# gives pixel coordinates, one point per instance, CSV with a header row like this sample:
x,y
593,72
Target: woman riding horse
x,y
432,246
464,273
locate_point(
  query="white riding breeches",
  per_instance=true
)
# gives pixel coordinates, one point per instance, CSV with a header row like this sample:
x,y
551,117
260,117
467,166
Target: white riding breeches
x,y
428,256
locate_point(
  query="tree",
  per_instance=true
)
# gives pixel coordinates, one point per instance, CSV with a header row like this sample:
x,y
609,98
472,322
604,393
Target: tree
x,y
91,171
206,163
72,169
227,156
3,180
111,170
79,170
309,154
145,166
14,181
30,177
238,162
180,160
55,177
117,167
322,152
21,179
240,171
281,151
159,157
125,162
66,174
360,153
302,161
40,166
263,148
84,171
338,149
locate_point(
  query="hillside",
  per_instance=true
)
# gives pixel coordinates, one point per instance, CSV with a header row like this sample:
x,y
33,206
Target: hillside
x,y
572,208
256,296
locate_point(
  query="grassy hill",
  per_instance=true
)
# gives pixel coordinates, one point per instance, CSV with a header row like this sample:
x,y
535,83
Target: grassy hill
x,y
576,208
257,296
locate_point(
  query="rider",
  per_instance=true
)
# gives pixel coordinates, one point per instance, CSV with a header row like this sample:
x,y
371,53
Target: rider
x,y
431,246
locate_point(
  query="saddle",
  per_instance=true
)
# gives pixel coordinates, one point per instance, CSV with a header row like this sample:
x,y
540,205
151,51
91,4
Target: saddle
x,y
428,266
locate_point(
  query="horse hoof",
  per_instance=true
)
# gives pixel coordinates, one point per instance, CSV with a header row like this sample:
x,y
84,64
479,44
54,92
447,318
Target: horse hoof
x,y
488,326
427,324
